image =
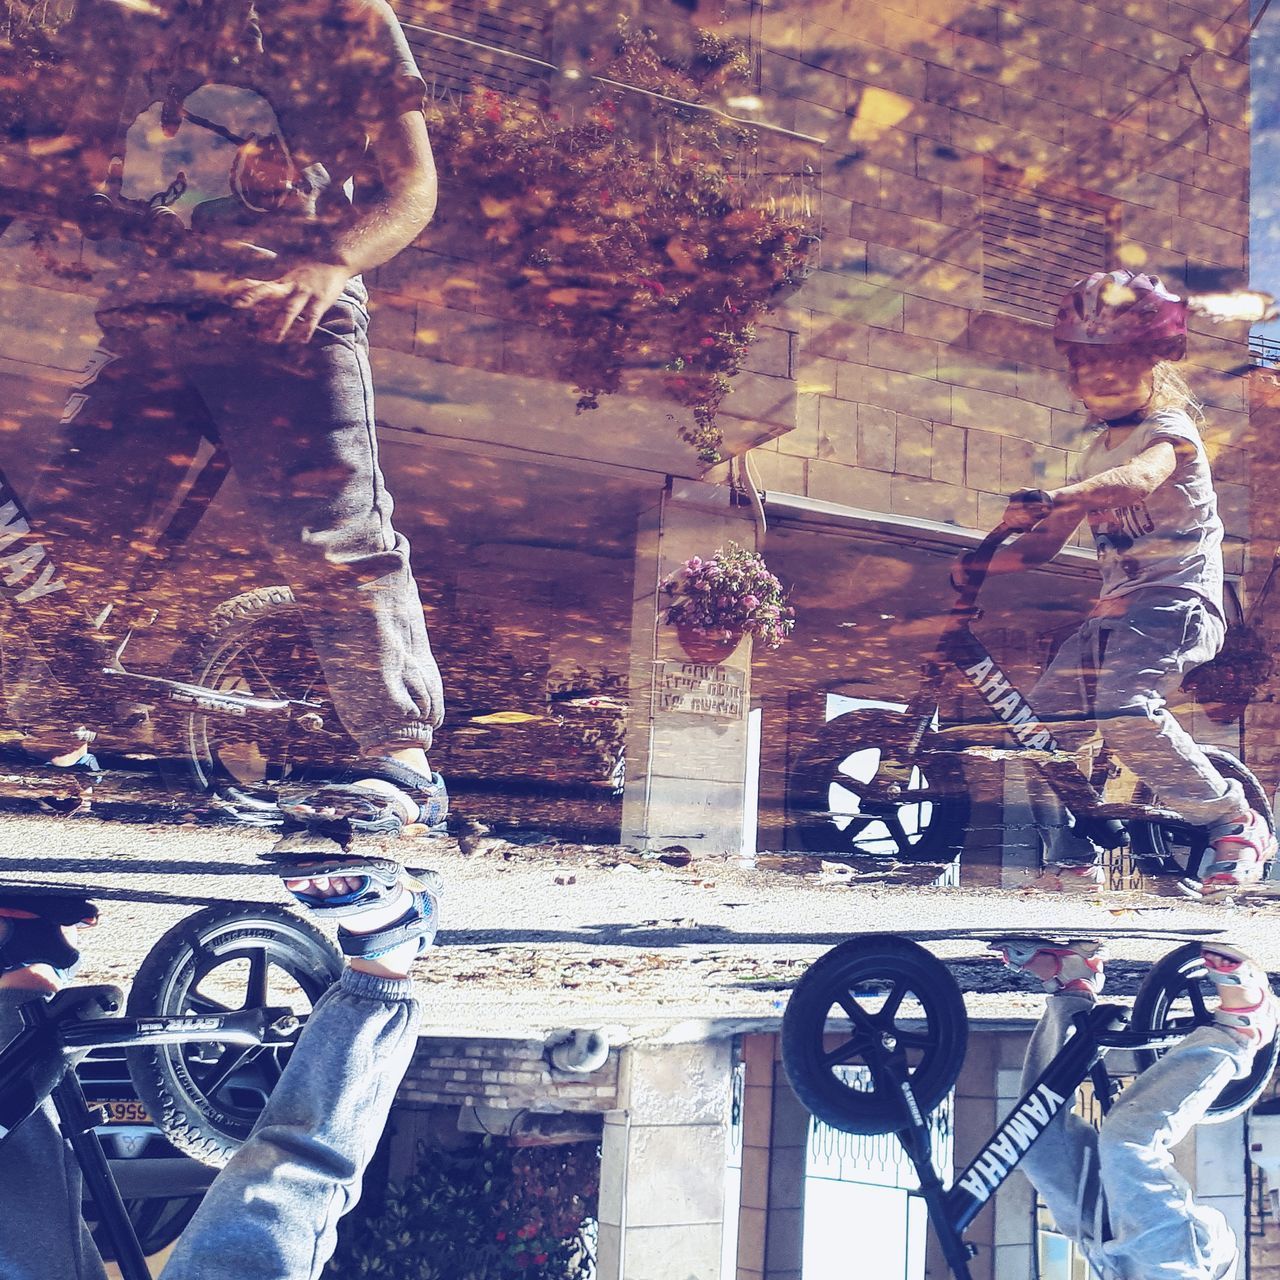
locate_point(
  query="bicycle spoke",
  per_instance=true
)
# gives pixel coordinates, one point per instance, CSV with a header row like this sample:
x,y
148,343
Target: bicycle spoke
x,y
857,1014
851,1051
849,783
898,832
206,1005
857,825
256,988
889,1010
1196,996
249,658
229,1061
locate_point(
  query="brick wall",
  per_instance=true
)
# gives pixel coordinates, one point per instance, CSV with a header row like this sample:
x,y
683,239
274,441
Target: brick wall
x,y
508,1074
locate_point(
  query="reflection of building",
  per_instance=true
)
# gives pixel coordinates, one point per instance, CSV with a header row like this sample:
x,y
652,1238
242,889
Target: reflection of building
x,y
972,164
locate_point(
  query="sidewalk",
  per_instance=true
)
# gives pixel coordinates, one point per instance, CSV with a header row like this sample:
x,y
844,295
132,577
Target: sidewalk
x,y
544,936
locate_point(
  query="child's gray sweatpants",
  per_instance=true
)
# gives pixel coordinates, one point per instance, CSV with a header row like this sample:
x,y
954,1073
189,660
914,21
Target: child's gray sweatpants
x,y
1121,670
272,1213
1124,1172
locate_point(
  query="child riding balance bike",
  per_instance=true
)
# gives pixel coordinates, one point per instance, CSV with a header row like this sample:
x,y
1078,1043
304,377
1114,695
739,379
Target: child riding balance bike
x,y
1143,484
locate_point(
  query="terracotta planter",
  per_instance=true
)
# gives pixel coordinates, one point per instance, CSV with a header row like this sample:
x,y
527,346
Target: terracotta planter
x,y
699,646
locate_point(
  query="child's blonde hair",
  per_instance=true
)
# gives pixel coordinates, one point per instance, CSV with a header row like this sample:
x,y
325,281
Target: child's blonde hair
x,y
1170,391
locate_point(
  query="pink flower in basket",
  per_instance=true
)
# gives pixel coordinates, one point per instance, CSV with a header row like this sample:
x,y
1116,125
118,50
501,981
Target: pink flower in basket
x,y
728,596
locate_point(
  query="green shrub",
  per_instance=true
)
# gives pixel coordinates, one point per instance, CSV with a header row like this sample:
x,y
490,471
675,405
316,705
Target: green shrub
x,y
486,1212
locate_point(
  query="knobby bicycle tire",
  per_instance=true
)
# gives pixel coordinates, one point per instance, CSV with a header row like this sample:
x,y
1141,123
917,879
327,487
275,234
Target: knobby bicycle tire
x,y
200,1112
1175,976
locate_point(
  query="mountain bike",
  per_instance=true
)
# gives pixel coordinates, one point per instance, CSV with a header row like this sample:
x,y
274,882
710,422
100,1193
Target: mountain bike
x,y
882,782
874,1037
211,1019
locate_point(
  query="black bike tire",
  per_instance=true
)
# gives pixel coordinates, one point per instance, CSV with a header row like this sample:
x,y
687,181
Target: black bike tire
x,y
1147,839
1165,979
192,1121
229,627
803,1026
810,778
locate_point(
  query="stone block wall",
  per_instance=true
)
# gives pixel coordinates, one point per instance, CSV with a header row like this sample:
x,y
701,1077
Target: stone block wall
x,y
924,397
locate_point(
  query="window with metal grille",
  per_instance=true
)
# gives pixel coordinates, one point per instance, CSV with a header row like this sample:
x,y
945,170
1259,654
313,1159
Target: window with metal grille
x,y
1037,242
461,45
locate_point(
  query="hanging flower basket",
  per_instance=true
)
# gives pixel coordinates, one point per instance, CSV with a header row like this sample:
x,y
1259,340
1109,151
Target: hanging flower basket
x,y
1226,684
631,224
715,602
711,647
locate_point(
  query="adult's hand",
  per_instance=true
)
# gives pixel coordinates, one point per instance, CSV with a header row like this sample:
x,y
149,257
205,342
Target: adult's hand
x,y
293,305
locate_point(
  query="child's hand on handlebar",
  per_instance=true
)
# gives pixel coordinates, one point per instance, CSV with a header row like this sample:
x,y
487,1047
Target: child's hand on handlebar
x,y
1027,507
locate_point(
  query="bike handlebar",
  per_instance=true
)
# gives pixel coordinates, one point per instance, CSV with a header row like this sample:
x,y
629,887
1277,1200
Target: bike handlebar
x,y
978,561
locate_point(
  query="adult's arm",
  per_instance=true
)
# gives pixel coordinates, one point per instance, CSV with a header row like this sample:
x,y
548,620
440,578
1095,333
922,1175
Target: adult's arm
x,y
304,293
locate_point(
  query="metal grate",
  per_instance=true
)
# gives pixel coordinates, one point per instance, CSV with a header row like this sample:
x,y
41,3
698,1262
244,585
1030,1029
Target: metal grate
x,y
1036,245
877,1159
502,45
1264,352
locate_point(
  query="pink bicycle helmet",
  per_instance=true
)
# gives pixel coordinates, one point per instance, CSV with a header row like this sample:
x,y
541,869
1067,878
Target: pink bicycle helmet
x,y
1123,309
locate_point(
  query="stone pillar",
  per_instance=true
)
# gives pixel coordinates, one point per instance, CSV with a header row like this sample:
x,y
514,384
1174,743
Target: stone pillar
x,y
663,1160
775,1146
686,764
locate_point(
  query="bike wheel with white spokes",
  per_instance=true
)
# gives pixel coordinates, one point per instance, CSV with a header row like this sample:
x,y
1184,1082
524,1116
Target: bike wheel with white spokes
x,y
868,1004
833,807
258,644
1177,996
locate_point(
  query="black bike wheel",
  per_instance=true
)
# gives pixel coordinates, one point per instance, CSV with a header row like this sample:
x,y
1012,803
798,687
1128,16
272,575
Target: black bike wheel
x,y
844,1018
257,643
1178,848
828,784
206,1096
1174,996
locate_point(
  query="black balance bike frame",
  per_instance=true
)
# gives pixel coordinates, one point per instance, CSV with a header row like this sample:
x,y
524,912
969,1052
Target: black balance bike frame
x,y
37,1064
1097,1031
957,649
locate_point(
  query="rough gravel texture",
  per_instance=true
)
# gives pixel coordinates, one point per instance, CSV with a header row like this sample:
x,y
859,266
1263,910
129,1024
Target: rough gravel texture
x,y
549,935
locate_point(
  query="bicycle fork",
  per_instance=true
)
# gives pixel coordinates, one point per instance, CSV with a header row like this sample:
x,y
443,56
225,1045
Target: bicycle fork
x,y
77,1123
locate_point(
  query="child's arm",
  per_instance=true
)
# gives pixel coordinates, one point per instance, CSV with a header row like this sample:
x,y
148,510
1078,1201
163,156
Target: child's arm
x,y
1118,487
1041,544
1122,486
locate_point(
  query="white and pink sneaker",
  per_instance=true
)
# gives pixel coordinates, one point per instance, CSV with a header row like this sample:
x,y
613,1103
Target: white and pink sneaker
x,y
1242,848
1071,968
1229,968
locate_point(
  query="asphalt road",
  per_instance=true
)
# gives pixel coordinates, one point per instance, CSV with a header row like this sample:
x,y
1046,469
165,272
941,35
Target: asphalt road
x,y
544,936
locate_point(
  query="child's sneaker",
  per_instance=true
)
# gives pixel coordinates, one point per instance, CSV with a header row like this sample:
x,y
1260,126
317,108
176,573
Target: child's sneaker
x,y
1071,877
1230,970
1242,848
1063,968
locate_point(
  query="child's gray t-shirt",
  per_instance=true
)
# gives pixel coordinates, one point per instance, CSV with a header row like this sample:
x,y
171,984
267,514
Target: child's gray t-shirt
x,y
1171,540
